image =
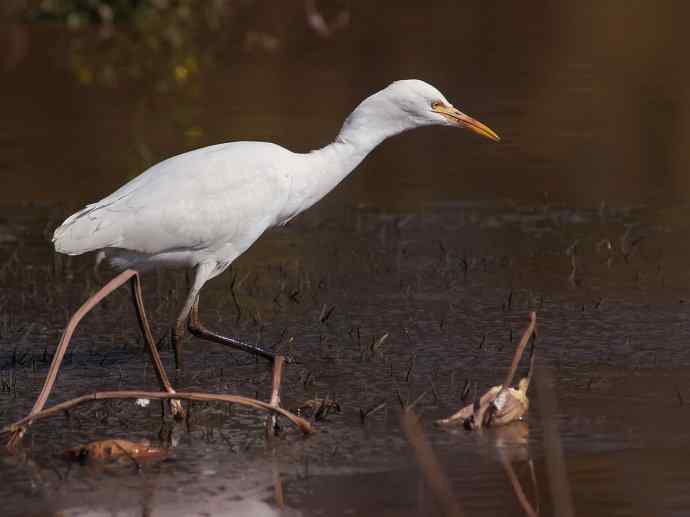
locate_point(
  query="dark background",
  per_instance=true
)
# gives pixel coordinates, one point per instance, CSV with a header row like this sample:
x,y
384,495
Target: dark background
x,y
590,97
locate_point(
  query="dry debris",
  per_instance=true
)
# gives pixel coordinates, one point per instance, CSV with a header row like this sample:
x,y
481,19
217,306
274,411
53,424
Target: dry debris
x,y
115,450
18,428
317,409
502,404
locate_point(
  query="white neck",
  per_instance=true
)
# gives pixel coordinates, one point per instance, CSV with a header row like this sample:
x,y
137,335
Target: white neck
x,y
322,170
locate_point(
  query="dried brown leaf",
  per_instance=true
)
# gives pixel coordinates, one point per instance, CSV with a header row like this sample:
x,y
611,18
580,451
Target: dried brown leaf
x,y
114,450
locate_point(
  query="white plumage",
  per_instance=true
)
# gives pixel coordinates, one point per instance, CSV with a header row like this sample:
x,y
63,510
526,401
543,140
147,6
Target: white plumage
x,y
207,204
204,208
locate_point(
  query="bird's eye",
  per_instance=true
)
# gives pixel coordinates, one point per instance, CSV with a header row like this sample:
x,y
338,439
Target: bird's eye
x,y
436,105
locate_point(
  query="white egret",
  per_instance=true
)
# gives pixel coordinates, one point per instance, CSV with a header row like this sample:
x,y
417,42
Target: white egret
x,y
204,208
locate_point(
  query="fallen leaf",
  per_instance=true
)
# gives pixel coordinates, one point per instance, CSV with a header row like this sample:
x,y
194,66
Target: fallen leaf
x,y
115,450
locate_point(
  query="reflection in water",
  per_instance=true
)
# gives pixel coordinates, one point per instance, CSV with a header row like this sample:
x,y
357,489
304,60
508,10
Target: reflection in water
x,y
529,509
512,445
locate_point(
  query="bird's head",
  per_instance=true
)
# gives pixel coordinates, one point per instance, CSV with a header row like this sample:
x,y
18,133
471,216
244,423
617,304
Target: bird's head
x,y
415,103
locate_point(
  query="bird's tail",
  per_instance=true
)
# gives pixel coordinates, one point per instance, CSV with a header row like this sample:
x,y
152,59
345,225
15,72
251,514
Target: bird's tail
x,y
88,230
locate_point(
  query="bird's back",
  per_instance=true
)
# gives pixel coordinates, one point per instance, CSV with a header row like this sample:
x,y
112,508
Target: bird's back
x,y
193,201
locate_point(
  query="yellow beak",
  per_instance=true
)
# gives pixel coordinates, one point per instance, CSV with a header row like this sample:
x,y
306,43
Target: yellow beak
x,y
463,120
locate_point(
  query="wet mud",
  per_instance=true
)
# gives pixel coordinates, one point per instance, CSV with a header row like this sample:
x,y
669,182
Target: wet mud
x,y
614,340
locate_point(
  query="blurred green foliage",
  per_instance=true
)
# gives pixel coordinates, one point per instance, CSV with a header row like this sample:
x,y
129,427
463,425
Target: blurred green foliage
x,y
76,13
161,42
165,44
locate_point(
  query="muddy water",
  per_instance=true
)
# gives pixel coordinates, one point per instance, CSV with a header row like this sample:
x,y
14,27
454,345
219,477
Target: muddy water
x,y
441,241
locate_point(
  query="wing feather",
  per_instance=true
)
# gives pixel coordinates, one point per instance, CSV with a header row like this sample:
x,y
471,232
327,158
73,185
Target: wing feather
x,y
193,200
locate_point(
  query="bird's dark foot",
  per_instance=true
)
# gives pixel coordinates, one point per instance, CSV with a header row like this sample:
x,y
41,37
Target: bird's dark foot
x,y
198,330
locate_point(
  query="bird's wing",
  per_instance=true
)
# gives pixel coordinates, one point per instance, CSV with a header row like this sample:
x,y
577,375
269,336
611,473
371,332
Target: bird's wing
x,y
191,201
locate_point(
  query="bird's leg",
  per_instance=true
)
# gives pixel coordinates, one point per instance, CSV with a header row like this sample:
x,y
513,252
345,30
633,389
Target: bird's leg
x,y
137,297
202,273
176,337
177,332
197,329
190,314
62,347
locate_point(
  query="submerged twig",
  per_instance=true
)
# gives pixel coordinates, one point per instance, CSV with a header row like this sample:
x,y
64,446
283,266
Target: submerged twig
x,y
271,421
364,413
278,491
19,425
376,345
417,400
429,464
326,313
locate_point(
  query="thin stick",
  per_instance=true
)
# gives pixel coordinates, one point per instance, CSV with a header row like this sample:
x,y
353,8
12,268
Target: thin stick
x,y
520,349
277,380
278,488
303,425
275,393
429,464
530,371
61,349
517,487
64,342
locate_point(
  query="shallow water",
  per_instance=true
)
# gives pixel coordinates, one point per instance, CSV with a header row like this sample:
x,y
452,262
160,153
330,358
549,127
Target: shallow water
x,y
440,240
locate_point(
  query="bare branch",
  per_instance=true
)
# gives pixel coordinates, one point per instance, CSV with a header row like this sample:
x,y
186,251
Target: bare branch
x,y
19,426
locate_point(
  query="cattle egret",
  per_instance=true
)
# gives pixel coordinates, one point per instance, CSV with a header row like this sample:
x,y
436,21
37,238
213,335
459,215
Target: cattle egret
x,y
202,209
